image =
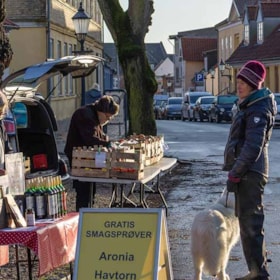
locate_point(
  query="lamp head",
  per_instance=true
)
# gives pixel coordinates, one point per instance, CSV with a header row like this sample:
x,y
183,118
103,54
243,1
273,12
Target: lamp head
x,y
222,66
81,23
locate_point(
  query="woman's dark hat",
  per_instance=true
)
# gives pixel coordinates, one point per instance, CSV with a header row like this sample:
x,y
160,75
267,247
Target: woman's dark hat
x,y
253,73
106,104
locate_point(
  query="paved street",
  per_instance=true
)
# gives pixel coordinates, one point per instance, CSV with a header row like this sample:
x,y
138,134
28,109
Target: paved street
x,y
203,144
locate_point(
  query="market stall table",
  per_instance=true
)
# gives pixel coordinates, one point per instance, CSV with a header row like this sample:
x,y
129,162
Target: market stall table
x,y
52,241
151,173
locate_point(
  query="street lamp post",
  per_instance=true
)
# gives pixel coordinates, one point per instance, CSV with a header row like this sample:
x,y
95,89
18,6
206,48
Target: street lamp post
x,y
222,68
81,23
169,84
212,73
204,73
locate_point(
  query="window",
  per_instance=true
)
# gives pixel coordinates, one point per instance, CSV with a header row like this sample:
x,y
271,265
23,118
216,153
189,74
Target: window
x,y
260,32
51,55
230,42
92,9
20,113
65,49
66,78
70,86
58,49
246,34
58,79
51,48
236,40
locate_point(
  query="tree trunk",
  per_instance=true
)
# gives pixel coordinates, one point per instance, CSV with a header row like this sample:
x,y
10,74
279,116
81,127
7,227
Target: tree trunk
x,y
128,29
6,52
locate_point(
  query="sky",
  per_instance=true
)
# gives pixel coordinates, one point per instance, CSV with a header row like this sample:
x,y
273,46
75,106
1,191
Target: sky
x,y
173,16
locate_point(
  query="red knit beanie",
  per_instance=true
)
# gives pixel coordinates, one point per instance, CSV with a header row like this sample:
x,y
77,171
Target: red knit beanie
x,y
253,73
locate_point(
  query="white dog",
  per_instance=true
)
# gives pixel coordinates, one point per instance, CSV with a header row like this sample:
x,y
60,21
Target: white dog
x,y
214,232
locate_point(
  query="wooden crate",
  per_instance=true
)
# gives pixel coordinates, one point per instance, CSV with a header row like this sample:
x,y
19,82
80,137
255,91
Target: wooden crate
x,y
152,146
153,150
85,163
127,165
137,146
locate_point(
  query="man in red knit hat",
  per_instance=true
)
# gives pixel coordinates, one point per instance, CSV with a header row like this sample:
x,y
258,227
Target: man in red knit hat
x,y
246,159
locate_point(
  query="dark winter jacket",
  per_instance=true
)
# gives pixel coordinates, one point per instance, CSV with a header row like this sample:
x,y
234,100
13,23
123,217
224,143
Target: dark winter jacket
x,y
84,130
247,145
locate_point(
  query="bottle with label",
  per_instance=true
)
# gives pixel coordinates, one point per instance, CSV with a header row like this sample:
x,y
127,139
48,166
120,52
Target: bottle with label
x,y
50,199
29,195
64,196
40,201
30,217
58,194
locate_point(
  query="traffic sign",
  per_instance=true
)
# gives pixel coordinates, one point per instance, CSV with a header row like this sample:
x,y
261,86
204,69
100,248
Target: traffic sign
x,y
199,77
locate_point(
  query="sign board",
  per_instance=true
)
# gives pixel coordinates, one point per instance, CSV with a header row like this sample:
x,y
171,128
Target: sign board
x,y
199,77
15,170
122,244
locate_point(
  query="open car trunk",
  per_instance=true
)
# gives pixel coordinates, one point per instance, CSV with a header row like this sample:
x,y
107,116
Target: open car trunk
x,y
36,138
33,134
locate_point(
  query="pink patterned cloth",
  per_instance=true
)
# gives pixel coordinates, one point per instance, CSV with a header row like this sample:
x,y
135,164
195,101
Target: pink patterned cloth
x,y
54,243
4,255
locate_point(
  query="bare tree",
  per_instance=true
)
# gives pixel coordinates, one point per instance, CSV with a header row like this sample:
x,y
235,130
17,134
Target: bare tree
x,y
128,29
5,47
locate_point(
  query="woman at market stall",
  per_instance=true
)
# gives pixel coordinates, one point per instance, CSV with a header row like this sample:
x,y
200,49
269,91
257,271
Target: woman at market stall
x,y
86,129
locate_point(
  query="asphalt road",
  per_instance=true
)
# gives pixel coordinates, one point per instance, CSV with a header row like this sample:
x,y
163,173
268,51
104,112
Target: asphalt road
x,y
202,144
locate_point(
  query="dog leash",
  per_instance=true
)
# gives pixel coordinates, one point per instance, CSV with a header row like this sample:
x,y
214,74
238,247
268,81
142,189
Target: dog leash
x,y
227,200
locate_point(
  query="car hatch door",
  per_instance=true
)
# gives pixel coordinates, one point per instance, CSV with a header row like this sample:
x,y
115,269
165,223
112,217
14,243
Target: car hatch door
x,y
27,80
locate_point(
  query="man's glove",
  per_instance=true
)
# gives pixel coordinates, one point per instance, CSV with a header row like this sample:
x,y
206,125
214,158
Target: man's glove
x,y
232,183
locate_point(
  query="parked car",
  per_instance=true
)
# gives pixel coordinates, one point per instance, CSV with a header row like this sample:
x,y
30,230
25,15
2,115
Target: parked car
x,y
201,108
277,117
234,109
221,108
159,100
162,110
173,108
189,102
31,123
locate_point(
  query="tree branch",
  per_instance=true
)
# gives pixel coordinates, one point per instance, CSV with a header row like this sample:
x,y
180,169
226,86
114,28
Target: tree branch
x,y
139,12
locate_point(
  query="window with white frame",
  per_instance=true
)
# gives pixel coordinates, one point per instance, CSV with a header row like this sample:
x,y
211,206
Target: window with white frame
x,y
66,78
58,55
51,48
70,85
260,32
226,46
51,55
246,34
92,9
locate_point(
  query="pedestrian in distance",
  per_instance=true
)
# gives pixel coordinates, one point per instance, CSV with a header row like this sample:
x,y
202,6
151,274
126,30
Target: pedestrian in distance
x,y
86,129
246,159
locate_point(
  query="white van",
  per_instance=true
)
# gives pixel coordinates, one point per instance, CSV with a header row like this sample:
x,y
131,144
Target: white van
x,y
189,100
